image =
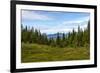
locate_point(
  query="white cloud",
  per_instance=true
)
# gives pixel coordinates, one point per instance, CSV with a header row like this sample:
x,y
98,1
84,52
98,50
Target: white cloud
x,y
63,28
76,21
59,28
32,15
52,31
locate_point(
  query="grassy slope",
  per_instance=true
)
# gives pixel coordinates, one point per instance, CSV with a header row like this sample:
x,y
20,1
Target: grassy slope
x,y
43,53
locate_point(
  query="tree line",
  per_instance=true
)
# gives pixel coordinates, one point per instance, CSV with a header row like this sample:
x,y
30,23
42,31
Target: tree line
x,y
81,38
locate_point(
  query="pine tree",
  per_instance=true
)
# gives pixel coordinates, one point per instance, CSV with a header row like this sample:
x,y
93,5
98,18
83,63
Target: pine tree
x,y
73,39
58,39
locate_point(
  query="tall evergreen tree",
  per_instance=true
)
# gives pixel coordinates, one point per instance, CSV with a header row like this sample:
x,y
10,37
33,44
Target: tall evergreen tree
x,y
81,38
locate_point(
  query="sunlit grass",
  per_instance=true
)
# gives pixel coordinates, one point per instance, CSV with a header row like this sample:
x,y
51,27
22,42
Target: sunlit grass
x,y
44,53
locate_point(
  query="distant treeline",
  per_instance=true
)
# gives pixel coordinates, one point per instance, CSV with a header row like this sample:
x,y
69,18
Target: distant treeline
x,y
81,38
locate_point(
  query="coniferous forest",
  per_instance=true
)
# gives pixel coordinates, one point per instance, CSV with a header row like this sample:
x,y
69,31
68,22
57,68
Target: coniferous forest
x,y
37,47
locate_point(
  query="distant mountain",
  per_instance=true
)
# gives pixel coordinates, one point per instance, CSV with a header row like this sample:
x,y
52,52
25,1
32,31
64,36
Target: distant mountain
x,y
54,35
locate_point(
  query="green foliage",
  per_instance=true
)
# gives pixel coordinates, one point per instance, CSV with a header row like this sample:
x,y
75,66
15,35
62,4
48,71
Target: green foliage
x,y
43,53
80,38
37,47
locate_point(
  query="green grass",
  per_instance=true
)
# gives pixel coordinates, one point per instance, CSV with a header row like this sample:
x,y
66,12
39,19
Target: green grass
x,y
44,53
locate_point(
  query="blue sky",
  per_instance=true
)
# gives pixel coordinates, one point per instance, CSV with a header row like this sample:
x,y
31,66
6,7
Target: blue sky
x,y
51,22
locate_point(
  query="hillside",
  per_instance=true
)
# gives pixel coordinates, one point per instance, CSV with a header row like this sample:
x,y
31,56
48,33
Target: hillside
x,y
55,35
43,53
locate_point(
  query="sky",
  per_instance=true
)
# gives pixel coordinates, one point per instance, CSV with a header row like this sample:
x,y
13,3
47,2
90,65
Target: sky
x,y
51,22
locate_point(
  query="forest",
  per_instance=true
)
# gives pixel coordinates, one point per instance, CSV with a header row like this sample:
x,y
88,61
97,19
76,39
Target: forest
x,y
73,39
31,39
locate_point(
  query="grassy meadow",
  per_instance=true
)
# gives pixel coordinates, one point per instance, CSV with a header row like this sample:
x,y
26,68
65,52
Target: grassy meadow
x,y
54,36
44,53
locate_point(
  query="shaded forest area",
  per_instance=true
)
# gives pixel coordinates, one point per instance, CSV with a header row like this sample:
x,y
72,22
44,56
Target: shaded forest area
x,y
81,38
